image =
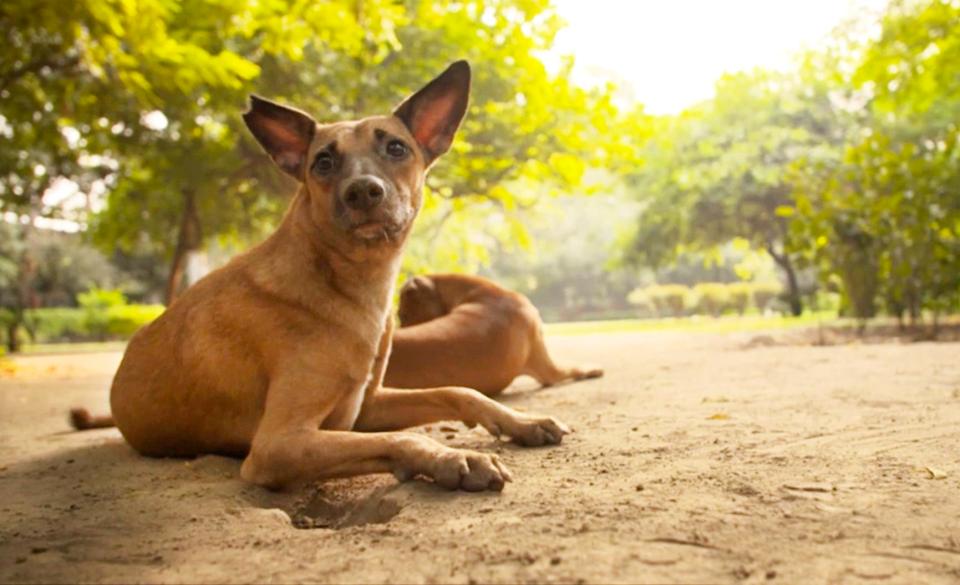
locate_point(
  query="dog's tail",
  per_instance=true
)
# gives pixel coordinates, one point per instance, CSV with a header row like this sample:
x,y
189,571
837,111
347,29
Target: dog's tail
x,y
82,420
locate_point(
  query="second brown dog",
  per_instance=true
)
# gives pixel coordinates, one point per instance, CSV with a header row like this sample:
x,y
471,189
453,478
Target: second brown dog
x,y
467,331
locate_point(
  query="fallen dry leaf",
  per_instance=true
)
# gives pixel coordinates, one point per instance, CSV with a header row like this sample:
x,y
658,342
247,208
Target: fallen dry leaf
x,y
810,487
935,473
719,416
707,399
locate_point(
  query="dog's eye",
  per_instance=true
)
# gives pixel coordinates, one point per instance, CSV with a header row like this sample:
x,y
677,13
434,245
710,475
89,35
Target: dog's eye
x,y
324,162
397,149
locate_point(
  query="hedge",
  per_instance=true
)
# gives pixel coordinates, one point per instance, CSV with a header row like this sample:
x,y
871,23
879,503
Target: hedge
x,y
61,324
707,298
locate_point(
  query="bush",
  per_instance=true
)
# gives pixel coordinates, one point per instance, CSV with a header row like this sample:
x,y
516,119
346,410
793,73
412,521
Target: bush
x,y
670,300
65,324
738,296
123,322
643,303
712,298
96,304
764,293
707,298
57,324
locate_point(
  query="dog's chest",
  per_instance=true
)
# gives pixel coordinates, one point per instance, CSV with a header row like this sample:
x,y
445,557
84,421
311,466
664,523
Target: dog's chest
x,y
344,415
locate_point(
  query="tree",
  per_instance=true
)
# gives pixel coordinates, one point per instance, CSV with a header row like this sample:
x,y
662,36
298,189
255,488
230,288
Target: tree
x,y
525,126
720,170
76,80
884,215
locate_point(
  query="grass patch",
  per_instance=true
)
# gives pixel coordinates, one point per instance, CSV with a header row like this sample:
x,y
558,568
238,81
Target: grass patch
x,y
698,324
83,347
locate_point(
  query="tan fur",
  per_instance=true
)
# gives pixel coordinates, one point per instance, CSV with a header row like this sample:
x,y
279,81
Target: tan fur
x,y
279,355
467,331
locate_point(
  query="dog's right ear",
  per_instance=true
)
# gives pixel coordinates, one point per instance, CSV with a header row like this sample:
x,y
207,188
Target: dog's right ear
x,y
284,132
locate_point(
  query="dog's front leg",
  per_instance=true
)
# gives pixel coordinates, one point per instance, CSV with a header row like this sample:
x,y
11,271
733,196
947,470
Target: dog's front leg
x,y
307,454
388,409
290,448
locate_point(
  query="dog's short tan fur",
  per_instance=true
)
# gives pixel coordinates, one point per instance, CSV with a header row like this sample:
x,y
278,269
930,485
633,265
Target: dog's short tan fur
x,y
467,331
279,355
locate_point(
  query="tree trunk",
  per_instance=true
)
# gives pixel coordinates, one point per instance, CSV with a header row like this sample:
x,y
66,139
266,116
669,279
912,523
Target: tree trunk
x,y
25,297
13,344
189,238
793,287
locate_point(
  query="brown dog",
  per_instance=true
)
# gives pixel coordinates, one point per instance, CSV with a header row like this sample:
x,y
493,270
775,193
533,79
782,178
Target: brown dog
x,y
279,355
467,331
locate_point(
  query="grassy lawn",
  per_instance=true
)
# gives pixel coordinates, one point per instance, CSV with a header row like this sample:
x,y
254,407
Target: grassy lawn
x,y
699,324
84,347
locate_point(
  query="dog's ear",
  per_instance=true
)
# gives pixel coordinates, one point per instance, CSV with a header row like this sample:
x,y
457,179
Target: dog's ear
x,y
284,132
418,284
433,114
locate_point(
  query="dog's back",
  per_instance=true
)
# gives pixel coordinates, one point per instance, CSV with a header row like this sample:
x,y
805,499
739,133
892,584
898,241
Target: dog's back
x,y
482,340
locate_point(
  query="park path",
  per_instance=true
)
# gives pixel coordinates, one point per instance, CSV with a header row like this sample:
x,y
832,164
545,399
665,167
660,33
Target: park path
x,y
695,459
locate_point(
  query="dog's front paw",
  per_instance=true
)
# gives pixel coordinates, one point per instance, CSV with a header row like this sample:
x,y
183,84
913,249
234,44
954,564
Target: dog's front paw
x,y
533,430
468,470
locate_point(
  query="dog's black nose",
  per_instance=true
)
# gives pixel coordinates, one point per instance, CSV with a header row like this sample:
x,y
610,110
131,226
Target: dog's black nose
x,y
364,193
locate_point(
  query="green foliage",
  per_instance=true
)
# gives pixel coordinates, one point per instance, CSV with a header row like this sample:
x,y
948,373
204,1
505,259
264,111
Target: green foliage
x,y
846,167
711,298
882,216
764,293
566,271
124,321
95,303
60,324
141,99
99,299
719,171
525,126
706,298
738,296
668,299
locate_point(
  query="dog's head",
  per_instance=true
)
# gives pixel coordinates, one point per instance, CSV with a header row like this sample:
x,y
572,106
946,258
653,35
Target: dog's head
x,y
364,179
419,302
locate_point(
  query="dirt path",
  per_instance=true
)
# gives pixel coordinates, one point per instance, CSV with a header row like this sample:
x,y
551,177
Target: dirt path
x,y
694,460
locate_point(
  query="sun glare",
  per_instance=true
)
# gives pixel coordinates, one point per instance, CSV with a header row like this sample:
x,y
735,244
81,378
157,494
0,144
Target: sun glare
x,y
667,55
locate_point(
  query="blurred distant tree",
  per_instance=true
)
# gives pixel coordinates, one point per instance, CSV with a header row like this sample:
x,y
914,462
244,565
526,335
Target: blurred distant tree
x,y
720,170
76,79
567,274
884,215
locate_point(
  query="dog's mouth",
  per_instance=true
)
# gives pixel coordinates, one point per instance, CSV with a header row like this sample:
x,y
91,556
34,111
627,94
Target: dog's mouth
x,y
374,230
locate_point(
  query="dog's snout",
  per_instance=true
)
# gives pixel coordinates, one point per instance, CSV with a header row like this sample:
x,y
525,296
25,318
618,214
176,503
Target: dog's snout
x,y
364,193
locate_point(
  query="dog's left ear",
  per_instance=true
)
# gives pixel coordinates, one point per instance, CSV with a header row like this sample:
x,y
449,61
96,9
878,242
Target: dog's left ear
x,y
284,132
433,114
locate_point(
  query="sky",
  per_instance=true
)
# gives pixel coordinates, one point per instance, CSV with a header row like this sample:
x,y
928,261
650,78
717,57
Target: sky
x,y
668,53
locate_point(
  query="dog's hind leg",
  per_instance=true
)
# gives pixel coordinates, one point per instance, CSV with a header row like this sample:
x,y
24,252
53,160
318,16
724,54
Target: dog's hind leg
x,y
542,368
390,409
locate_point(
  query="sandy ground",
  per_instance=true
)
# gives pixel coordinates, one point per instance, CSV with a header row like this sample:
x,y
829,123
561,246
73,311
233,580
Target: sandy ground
x,y
698,458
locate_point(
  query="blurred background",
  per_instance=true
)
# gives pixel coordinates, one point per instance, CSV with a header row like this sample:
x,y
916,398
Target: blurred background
x,y
632,164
